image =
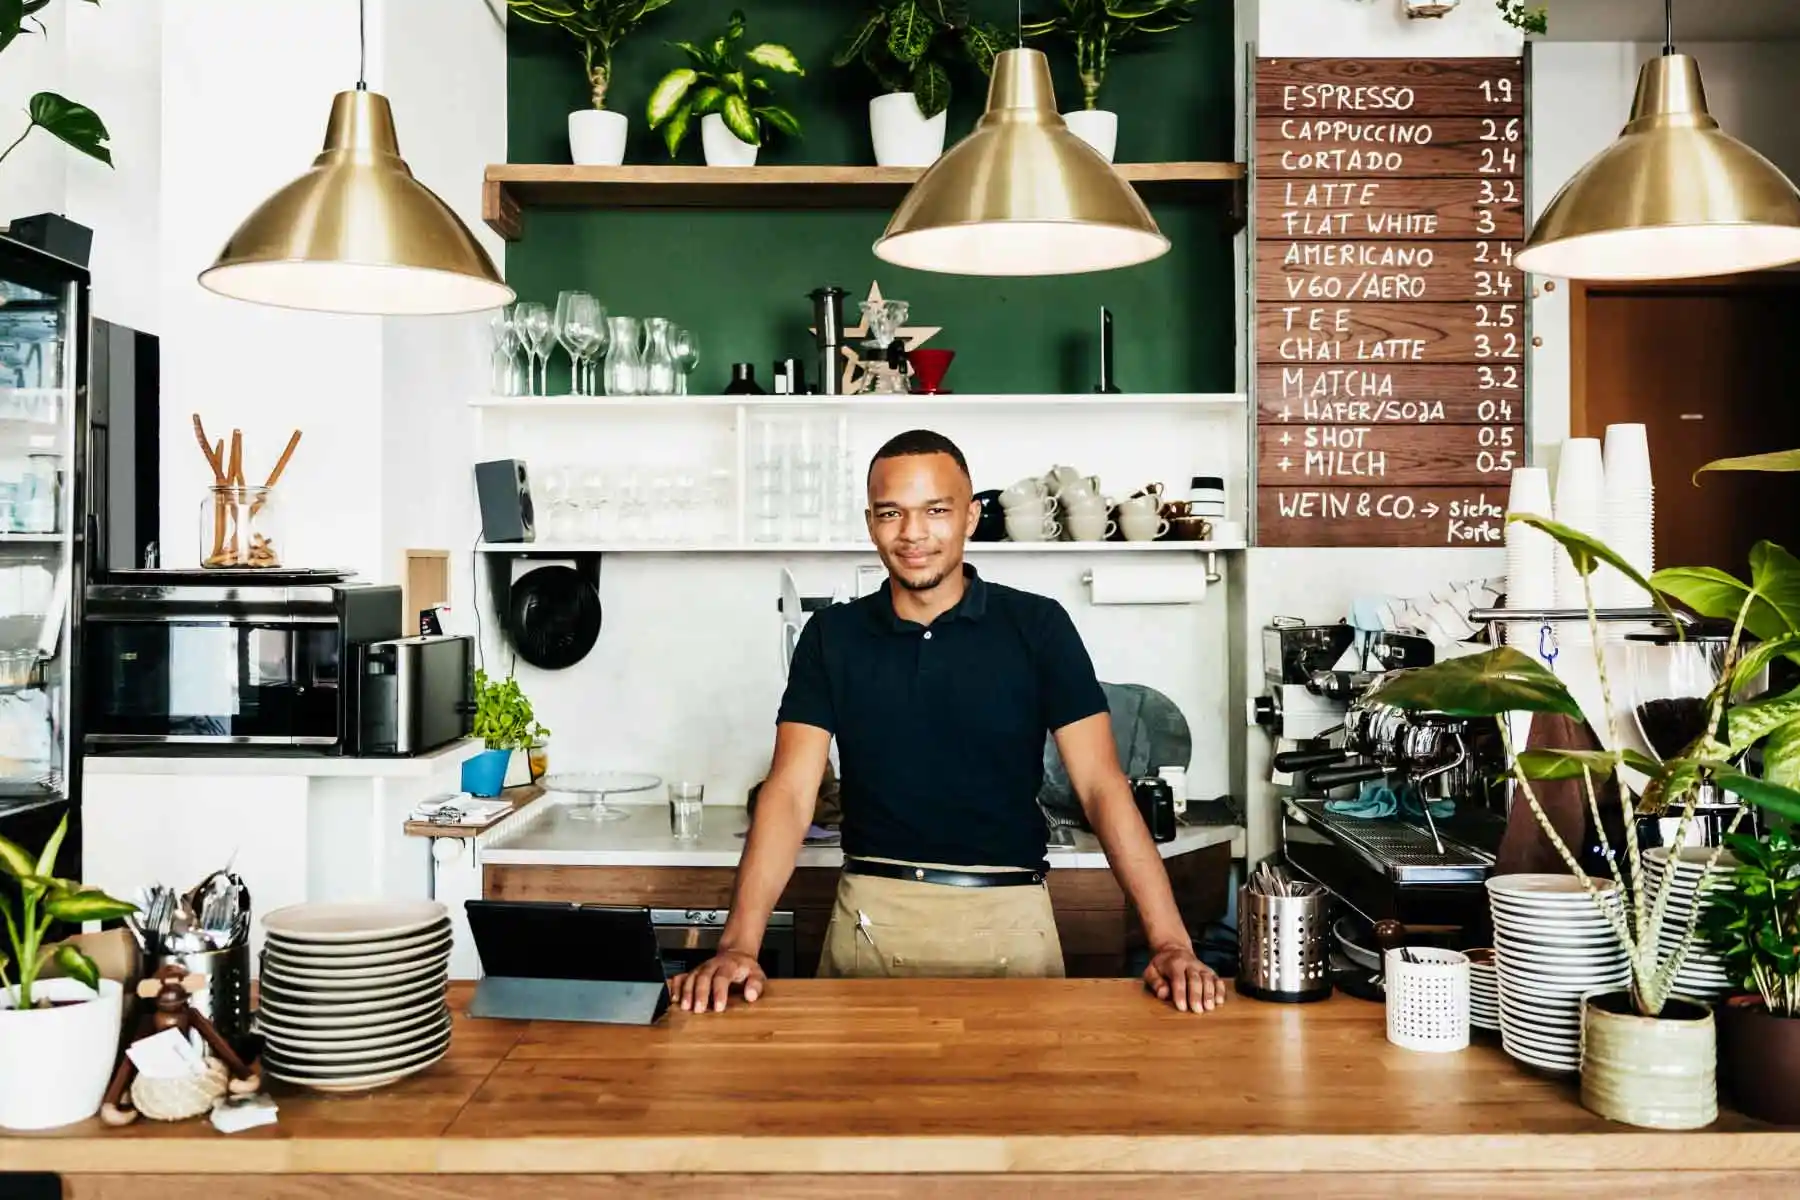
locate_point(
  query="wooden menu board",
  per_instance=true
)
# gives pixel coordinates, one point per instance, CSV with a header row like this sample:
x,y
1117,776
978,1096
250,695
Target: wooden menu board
x,y
1390,330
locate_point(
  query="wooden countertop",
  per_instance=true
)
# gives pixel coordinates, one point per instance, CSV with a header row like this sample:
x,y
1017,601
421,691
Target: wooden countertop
x,y
937,1076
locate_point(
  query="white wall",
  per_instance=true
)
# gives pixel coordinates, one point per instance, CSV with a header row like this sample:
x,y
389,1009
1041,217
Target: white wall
x,y
33,179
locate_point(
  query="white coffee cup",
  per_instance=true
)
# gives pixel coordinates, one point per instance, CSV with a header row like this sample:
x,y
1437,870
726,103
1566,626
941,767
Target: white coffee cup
x,y
1030,509
1084,504
1149,506
1025,491
1141,526
1032,529
1090,527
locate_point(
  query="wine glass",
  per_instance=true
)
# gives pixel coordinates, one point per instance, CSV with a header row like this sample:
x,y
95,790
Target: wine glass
x,y
577,327
684,344
538,331
602,341
505,356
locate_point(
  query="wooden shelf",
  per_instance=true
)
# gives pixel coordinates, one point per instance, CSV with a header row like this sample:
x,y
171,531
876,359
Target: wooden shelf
x,y
975,548
509,188
1227,401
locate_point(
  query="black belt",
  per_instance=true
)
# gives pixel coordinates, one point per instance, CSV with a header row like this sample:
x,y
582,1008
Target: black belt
x,y
968,879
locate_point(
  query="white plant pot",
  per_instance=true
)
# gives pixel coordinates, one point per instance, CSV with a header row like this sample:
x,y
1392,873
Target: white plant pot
x,y
1097,127
723,147
597,137
904,136
55,1063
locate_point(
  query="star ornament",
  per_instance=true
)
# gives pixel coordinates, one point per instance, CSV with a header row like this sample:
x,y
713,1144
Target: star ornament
x,y
913,335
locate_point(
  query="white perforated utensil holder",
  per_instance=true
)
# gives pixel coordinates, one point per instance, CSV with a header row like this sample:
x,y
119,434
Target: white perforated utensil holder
x,y
1428,999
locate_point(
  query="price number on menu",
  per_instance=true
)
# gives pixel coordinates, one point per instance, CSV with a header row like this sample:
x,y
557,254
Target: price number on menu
x,y
1498,191
1495,410
1493,283
1490,379
1497,91
1496,316
1501,160
1496,345
1495,130
1498,451
1494,252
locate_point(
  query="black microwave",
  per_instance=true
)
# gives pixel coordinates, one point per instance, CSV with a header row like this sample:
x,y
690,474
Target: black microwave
x,y
233,667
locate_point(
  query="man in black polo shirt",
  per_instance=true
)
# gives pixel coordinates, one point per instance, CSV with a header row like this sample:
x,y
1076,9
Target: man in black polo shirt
x,y
939,689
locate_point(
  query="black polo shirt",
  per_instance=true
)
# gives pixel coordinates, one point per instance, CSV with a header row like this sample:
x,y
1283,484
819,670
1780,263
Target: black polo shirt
x,y
940,729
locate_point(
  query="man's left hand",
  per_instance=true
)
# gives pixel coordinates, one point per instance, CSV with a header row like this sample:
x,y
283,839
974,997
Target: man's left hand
x,y
1175,975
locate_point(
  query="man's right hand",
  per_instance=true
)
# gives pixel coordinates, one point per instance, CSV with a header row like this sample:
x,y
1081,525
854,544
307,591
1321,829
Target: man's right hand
x,y
708,984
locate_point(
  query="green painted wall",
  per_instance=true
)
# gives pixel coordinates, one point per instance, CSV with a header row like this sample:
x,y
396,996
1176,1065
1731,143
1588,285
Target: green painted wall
x,y
739,279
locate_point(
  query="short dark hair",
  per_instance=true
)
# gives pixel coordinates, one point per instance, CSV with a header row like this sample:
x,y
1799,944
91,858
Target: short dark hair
x,y
921,441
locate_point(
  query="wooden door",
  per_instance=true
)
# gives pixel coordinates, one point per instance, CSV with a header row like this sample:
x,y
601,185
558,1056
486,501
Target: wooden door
x,y
1707,368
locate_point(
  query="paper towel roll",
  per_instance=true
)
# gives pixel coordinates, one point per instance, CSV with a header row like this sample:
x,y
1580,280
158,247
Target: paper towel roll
x,y
1154,583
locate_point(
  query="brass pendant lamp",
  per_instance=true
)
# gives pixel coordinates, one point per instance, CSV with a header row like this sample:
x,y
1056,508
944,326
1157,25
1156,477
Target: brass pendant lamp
x,y
1674,198
357,233
1021,195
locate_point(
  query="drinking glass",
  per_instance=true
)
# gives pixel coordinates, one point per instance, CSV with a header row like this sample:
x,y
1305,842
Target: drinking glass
x,y
505,357
687,810
578,317
685,345
659,359
538,331
625,358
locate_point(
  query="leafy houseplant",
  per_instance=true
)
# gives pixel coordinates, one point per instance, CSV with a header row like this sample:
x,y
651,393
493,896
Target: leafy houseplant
x,y
734,106
909,47
74,124
1097,29
505,723
57,1037
1753,918
596,136
1524,18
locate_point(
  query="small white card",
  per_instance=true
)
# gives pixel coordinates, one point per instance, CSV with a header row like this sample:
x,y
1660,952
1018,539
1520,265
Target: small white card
x,y
167,1055
231,1114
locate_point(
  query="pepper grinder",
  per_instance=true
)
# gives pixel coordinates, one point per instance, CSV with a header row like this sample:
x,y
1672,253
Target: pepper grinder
x,y
1107,385
828,329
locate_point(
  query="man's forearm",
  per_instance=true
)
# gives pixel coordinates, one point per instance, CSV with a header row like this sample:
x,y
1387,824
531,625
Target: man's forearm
x,y
774,843
1137,866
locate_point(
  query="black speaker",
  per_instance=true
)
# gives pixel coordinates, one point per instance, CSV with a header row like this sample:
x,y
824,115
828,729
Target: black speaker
x,y
505,495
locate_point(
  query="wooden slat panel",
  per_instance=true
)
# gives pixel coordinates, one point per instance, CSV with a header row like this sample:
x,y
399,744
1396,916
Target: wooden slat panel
x,y
1371,394
1421,516
1303,147
1390,209
1391,86
1365,334
1292,272
1393,455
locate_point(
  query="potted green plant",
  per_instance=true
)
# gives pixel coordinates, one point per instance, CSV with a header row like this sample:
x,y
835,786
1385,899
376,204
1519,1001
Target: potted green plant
x,y
735,107
1096,30
909,47
1753,918
1648,1056
596,134
1523,17
58,1037
73,124
505,724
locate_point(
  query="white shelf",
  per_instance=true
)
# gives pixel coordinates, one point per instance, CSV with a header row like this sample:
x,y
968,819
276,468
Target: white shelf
x,y
30,537
870,403
554,548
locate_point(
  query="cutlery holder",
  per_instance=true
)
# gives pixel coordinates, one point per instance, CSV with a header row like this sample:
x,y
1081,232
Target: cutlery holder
x,y
1282,953
1428,999
225,1001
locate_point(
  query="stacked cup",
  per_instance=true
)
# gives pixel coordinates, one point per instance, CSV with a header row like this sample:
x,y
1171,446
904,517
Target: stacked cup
x,y
1030,512
1141,519
1580,502
1084,511
1531,556
1628,513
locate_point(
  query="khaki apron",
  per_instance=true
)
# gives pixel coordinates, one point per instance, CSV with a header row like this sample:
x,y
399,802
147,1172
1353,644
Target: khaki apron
x,y
938,930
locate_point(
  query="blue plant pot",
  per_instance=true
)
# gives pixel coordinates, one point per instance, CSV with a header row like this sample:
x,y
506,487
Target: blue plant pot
x,y
484,774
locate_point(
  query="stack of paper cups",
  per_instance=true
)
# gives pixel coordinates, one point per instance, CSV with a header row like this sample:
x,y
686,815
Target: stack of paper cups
x,y
1628,513
1530,557
1580,504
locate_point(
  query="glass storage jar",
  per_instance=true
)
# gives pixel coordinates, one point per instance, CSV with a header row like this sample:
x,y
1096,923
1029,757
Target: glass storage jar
x,y
241,527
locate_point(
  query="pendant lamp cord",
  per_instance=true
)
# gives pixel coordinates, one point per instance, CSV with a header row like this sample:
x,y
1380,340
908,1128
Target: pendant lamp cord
x,y
362,45
1021,24
1668,27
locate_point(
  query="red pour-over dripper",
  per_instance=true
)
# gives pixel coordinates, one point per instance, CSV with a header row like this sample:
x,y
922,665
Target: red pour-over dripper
x,y
929,368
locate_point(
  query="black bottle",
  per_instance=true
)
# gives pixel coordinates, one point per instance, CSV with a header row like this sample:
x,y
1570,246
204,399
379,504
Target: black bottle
x,y
743,381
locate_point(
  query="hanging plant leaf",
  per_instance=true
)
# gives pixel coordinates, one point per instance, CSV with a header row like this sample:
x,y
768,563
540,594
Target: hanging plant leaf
x,y
776,58
1775,461
75,124
1718,595
77,965
931,87
983,43
1748,724
909,32
1572,764
1783,802
734,28
1479,685
94,905
859,38
14,861
1775,574
12,19
675,129
695,54
46,861
779,119
1588,552
740,121
669,93
709,99
1756,659
1781,756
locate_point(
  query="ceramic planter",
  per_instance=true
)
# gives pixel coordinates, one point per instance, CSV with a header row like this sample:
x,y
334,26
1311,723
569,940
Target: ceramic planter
x,y
1097,127
55,1063
597,137
485,774
903,135
1759,1057
1652,1072
723,147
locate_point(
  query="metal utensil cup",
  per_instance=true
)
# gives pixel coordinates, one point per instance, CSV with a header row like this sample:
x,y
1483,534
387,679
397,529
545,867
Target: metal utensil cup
x,y
225,1000
1282,947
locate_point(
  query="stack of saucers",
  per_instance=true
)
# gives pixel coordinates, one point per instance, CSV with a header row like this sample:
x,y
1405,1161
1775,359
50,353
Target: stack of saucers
x,y
1484,990
1703,975
352,995
1553,945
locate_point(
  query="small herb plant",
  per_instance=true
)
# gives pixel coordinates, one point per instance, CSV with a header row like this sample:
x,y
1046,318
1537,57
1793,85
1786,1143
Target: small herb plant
x,y
909,46
503,716
1099,28
719,81
1753,918
44,899
1521,17
74,124
598,26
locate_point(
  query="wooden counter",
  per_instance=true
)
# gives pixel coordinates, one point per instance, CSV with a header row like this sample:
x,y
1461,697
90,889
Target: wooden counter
x,y
962,1089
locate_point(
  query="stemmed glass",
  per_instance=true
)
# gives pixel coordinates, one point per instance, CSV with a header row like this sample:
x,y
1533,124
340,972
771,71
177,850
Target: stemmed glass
x,y
684,345
506,353
578,326
538,332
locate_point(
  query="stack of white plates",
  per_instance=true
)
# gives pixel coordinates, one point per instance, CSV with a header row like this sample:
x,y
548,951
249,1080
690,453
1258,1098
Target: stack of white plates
x,y
1553,946
352,995
1627,514
1484,990
1530,556
1703,975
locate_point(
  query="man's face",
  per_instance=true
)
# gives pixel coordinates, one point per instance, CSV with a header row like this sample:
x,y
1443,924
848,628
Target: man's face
x,y
921,511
